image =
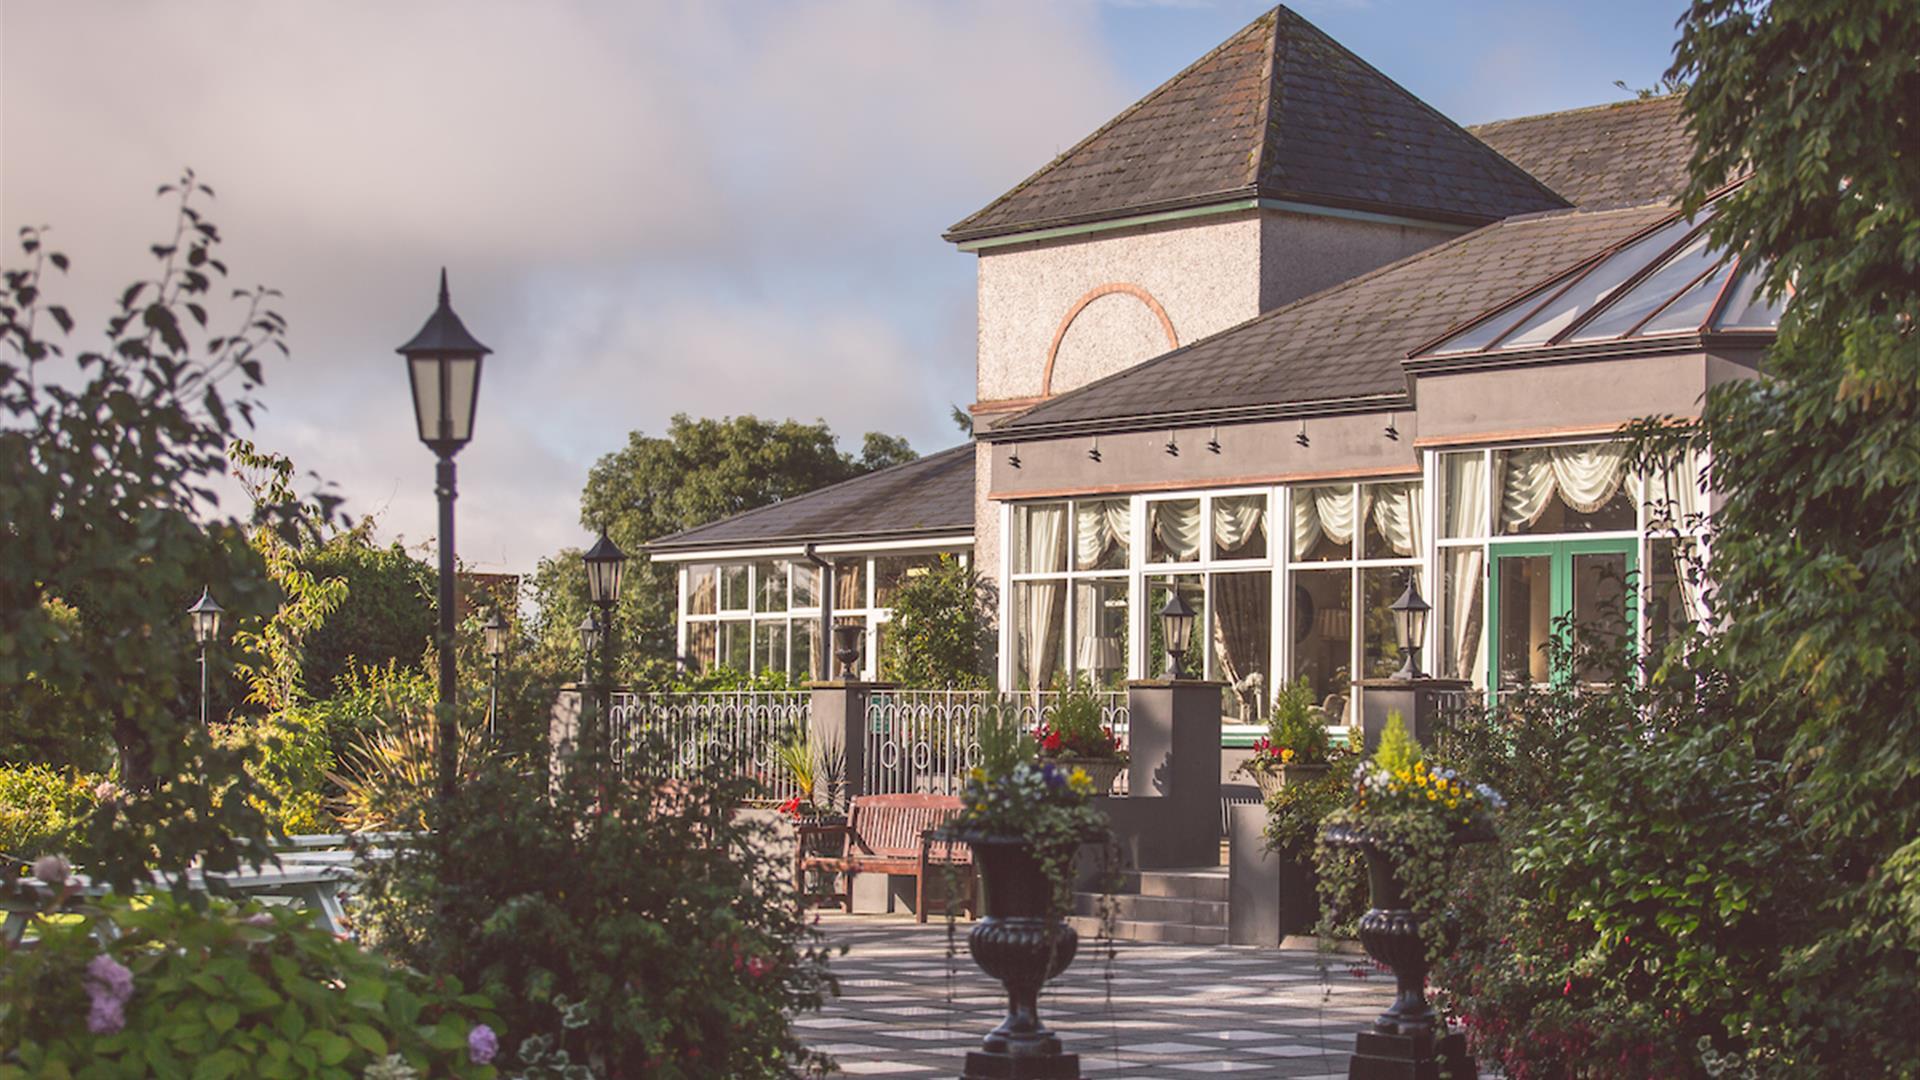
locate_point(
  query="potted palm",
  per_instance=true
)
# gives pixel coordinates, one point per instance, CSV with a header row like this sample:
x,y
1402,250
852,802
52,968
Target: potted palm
x,y
1405,817
1295,748
1071,736
1025,819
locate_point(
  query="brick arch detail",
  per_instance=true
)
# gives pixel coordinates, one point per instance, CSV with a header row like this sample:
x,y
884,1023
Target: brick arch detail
x,y
1095,293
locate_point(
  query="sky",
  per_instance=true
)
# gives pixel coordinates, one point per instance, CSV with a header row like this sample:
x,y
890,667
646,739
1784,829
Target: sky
x,y
711,208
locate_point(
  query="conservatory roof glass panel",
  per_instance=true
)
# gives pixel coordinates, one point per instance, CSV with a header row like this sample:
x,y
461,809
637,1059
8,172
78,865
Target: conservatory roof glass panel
x,y
1745,308
1593,286
1680,272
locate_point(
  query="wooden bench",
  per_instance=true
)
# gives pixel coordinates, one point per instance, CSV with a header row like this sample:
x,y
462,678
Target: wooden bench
x,y
888,834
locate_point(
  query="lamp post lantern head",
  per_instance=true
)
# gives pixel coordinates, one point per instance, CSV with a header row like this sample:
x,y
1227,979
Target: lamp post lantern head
x,y
589,631
443,363
206,617
493,633
1176,626
1410,627
846,647
606,563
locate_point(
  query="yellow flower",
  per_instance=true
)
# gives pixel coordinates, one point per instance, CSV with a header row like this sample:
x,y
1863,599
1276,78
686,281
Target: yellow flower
x,y
977,773
1286,754
1079,781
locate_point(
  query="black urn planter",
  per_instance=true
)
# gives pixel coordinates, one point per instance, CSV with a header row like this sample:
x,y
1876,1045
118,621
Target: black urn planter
x,y
1410,1040
1019,943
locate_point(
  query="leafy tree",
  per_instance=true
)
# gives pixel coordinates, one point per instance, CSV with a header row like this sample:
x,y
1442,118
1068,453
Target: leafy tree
x,y
386,615
701,471
1816,554
939,633
108,514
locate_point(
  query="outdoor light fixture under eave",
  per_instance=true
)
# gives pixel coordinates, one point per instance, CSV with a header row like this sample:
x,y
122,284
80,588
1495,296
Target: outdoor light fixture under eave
x,y
1176,625
606,563
443,363
1410,626
206,617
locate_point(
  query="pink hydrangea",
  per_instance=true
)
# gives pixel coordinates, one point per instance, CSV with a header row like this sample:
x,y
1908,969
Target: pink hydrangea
x,y
109,985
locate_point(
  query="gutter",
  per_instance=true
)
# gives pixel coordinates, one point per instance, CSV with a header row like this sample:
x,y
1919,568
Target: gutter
x,y
1117,425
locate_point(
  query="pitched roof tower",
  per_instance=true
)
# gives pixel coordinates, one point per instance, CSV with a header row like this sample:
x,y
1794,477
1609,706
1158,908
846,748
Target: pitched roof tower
x,y
1282,112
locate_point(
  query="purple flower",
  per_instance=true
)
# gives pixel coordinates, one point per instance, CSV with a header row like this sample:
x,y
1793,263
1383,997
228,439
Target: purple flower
x,y
109,984
482,1044
1054,777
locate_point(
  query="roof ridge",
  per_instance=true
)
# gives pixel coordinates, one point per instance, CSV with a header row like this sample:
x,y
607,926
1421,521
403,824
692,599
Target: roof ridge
x,y
1623,103
1446,122
1270,85
790,500
1424,253
1116,120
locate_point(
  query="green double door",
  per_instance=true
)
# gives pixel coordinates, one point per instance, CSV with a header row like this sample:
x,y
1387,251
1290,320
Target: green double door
x,y
1535,587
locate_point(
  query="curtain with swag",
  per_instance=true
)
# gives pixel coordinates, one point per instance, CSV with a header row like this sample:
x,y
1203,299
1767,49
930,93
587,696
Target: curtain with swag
x,y
1673,503
1585,477
1242,603
1176,524
1099,527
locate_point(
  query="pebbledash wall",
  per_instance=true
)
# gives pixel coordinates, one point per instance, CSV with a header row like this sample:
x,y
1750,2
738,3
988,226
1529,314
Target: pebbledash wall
x,y
1063,311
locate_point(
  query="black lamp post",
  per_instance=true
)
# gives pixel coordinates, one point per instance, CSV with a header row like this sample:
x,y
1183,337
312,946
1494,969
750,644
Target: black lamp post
x,y
606,565
443,363
1176,626
206,627
846,648
493,635
1410,626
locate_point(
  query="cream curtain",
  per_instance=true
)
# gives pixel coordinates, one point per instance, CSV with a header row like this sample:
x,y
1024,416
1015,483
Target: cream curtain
x,y
1176,523
1464,498
1674,501
1396,515
1584,477
1319,511
1044,542
1098,526
1237,519
1242,636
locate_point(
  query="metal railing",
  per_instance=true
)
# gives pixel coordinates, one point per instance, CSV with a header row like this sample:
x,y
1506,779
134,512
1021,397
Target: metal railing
x,y
926,740
744,726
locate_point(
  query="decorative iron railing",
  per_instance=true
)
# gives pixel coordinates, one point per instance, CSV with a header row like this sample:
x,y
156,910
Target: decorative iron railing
x,y
926,740
746,727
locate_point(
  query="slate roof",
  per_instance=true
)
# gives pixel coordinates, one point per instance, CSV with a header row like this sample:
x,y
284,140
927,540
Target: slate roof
x,y
1346,342
1623,154
928,496
1281,111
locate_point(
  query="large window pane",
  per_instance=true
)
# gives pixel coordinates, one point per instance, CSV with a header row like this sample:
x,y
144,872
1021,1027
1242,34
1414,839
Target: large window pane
x,y
736,645
850,584
770,589
1242,641
1039,633
1240,527
1040,538
1173,530
1323,636
1381,586
770,646
804,641
1193,589
1100,630
1463,653
1463,493
701,645
892,571
1323,522
1564,489
1525,619
733,588
806,584
1675,592
703,589
1600,589
1100,534
1394,528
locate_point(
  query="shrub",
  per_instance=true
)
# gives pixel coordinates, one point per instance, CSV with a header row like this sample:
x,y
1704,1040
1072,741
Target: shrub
x,y
1071,727
940,632
634,922
228,991
42,810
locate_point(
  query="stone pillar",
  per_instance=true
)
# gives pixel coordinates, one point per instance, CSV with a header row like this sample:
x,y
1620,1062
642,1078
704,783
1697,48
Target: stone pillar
x,y
563,727
1171,815
1420,703
1271,894
838,717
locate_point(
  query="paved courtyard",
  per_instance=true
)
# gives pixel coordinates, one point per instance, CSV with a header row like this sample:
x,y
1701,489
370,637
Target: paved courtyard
x,y
1175,1010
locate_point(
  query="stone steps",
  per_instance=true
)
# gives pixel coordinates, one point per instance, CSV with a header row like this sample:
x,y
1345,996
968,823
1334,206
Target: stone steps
x,y
1187,906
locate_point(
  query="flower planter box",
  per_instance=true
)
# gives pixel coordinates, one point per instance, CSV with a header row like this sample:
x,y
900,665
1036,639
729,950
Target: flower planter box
x,y
1272,781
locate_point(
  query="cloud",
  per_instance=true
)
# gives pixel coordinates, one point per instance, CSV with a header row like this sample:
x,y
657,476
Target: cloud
x,y
645,209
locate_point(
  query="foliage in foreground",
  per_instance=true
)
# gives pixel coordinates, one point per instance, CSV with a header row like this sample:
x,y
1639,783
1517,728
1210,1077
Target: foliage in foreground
x,y
634,923
228,991
941,633
42,812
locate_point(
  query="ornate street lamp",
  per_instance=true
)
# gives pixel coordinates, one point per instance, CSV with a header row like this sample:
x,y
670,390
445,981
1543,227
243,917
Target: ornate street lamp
x,y
1410,626
606,566
1176,626
493,636
205,614
443,364
846,648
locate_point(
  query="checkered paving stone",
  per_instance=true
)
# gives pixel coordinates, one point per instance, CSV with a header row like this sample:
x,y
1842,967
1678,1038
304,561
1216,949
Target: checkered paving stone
x,y
1168,1011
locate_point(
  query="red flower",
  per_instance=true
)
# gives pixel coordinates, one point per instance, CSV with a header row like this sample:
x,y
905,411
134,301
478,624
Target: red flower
x,y
791,807
1052,742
